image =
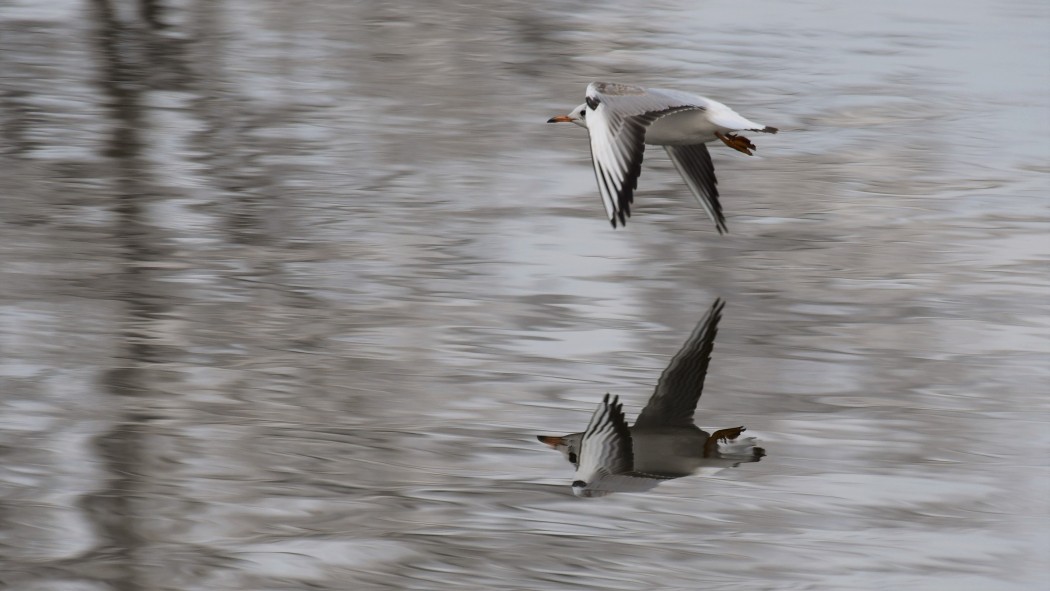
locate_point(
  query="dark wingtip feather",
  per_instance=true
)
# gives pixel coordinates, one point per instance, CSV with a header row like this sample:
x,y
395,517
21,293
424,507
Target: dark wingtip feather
x,y
619,421
716,308
769,129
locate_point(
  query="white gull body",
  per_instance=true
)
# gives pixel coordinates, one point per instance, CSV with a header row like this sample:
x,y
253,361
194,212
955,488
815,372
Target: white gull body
x,y
621,119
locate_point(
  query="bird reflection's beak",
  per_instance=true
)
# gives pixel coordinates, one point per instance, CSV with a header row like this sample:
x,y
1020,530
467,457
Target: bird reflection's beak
x,y
551,441
561,119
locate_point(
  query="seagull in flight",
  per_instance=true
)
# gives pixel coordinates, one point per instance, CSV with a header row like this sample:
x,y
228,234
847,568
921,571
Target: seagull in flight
x,y
622,118
663,443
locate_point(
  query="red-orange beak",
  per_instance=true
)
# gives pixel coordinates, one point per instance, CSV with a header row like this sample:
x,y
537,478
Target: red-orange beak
x,y
551,441
560,119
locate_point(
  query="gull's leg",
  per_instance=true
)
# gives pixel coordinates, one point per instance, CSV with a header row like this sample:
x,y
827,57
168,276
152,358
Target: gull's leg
x,y
723,435
737,142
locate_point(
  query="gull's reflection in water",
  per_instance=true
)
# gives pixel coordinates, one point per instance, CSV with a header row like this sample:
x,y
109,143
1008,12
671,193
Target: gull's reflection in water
x,y
664,443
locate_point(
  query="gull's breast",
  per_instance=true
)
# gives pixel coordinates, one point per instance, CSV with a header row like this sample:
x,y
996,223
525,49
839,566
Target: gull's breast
x,y
683,128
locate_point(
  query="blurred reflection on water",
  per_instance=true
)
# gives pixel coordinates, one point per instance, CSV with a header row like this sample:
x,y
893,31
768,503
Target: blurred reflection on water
x,y
664,442
288,288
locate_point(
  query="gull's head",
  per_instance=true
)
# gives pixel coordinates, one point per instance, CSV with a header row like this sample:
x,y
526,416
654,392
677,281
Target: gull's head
x,y
579,488
568,446
577,116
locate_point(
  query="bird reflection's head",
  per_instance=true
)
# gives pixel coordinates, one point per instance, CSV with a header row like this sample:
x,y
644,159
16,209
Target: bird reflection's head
x,y
579,488
577,116
569,446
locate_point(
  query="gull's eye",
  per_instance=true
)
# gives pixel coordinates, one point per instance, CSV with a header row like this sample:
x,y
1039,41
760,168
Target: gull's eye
x,y
572,457
583,112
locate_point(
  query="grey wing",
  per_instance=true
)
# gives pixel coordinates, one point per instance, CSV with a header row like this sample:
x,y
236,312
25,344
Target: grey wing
x,y
695,166
617,116
606,448
674,401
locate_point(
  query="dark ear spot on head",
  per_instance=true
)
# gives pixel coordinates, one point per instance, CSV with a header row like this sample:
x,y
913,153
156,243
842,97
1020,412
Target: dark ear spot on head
x,y
578,484
593,102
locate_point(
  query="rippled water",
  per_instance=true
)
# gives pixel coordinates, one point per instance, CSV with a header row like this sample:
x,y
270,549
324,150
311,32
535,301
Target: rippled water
x,y
289,288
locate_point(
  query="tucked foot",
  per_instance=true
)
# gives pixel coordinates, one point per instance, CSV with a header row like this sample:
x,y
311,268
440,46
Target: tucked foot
x,y
723,435
737,142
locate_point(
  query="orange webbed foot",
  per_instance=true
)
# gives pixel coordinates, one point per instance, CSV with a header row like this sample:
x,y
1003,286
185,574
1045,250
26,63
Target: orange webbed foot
x,y
737,142
723,435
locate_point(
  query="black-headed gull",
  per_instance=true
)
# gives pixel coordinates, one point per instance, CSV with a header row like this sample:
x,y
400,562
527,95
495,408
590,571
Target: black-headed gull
x,y
664,442
621,119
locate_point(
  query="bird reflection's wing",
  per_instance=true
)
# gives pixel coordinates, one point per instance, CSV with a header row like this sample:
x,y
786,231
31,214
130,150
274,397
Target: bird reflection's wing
x,y
617,116
679,388
606,446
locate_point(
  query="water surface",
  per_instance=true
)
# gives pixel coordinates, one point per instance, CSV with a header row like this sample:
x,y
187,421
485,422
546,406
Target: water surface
x,y
288,289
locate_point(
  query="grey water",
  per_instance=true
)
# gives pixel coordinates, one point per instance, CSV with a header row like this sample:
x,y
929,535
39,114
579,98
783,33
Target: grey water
x,y
288,290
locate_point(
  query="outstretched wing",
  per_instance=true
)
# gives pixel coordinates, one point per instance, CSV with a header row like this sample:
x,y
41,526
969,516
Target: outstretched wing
x,y
695,166
680,386
617,116
606,446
